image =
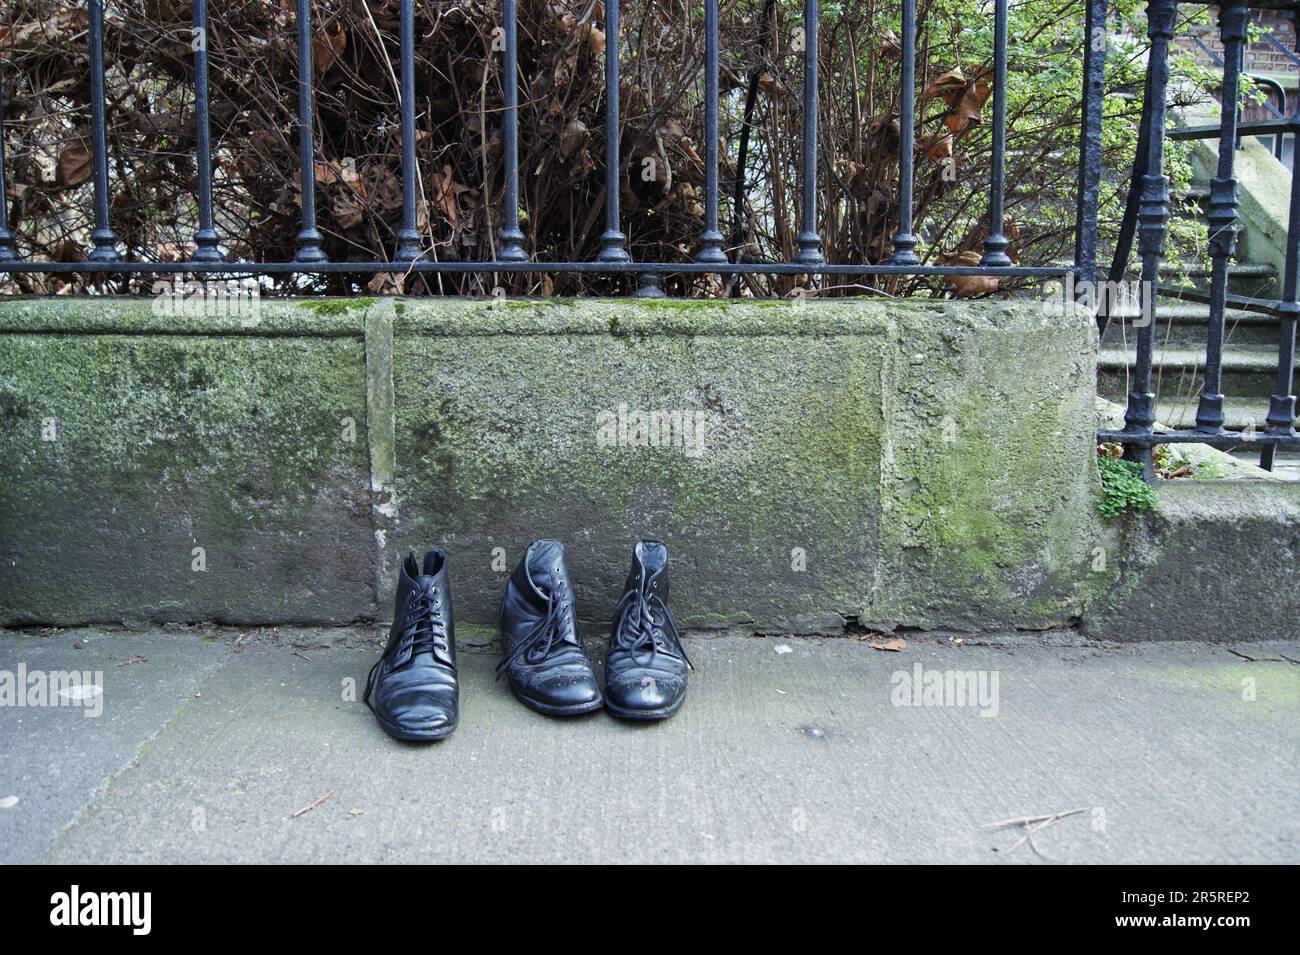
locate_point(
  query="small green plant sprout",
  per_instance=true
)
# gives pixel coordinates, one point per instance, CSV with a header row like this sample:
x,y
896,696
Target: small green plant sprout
x,y
1122,486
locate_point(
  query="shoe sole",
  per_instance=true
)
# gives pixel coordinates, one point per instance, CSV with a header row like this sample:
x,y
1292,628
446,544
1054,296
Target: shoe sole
x,y
549,709
415,736
660,714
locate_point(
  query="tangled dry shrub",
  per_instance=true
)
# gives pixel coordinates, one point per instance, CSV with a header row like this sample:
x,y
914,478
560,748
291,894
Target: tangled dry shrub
x,y
253,72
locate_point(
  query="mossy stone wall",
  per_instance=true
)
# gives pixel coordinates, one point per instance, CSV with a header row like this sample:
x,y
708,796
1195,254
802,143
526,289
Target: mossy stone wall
x,y
905,463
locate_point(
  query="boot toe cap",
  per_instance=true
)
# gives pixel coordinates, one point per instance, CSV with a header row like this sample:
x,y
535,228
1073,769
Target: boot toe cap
x,y
564,691
644,692
419,710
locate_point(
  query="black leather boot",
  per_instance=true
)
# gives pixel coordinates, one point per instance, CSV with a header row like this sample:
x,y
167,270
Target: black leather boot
x,y
544,661
412,689
645,668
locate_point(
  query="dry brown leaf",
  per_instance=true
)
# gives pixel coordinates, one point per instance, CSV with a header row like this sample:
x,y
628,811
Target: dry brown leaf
x,y
887,643
325,50
74,164
968,285
969,107
382,186
946,85
176,251
68,251
884,124
387,283
445,192
596,41
1110,450
347,212
58,27
770,85
328,173
938,146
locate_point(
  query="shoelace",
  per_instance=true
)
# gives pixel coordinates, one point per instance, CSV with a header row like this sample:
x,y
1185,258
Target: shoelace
x,y
637,623
546,636
423,627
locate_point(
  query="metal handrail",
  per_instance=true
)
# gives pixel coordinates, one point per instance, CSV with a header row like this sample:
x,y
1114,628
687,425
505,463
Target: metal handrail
x,y
1272,41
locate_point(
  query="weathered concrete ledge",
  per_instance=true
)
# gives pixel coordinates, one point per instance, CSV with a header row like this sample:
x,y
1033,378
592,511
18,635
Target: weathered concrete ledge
x,y
1215,561
919,463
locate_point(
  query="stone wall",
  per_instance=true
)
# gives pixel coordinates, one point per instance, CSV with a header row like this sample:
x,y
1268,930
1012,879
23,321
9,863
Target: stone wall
x,y
917,463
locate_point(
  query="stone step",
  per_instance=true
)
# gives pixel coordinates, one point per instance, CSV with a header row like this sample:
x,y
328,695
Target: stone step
x,y
1238,413
1186,323
1260,270
1248,371
1286,465
1244,278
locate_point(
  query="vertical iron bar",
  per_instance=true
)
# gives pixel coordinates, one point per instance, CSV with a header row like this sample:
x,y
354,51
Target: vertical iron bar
x,y
512,237
1281,407
1089,187
1153,215
408,237
7,253
711,237
309,239
810,243
1241,68
105,242
904,241
612,241
996,243
205,239
1222,216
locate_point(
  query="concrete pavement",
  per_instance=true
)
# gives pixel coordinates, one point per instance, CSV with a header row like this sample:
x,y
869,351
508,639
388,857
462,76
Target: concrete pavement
x,y
790,750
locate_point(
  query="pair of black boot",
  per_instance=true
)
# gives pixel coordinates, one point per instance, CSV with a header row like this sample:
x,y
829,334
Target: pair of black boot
x,y
413,689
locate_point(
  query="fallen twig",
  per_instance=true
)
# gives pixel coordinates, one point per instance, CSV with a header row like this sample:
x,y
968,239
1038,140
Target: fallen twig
x,y
312,805
1032,825
1030,820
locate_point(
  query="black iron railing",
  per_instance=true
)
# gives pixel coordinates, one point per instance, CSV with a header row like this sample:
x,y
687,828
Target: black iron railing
x,y
613,258
1147,209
